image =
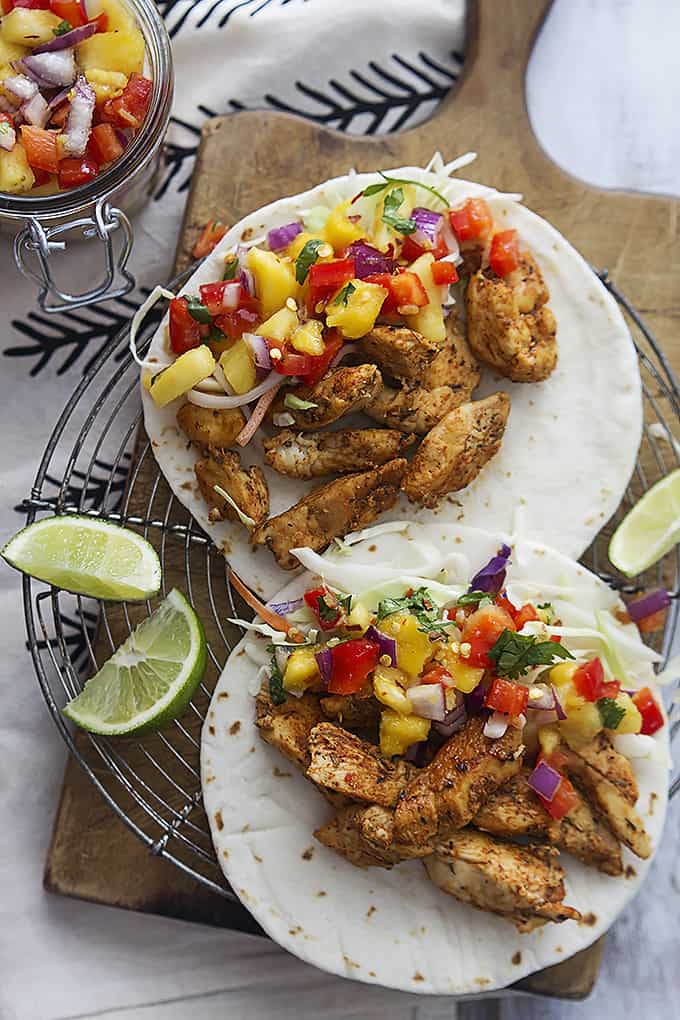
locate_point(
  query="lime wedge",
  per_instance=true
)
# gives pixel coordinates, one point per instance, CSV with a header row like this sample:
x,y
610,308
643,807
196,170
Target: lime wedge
x,y
150,679
87,556
650,529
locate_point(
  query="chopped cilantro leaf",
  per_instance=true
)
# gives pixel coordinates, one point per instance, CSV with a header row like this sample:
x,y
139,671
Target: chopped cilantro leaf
x,y
474,598
344,295
297,403
198,311
515,654
276,689
230,269
391,213
375,189
306,259
62,28
420,604
611,713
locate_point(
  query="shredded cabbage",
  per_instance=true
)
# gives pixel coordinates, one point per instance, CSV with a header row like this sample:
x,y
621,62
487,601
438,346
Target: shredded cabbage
x,y
243,517
138,318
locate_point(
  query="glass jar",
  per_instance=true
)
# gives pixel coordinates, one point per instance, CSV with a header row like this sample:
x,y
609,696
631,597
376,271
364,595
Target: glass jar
x,y
99,210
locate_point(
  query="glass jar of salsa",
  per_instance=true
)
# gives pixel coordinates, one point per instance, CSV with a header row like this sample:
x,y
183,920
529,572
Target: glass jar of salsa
x,y
83,117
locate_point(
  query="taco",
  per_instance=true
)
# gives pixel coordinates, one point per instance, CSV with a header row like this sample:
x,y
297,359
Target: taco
x,y
483,727
392,345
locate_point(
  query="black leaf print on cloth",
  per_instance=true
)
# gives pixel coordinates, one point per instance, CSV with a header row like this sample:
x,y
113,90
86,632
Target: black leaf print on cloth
x,y
78,631
66,336
211,13
103,485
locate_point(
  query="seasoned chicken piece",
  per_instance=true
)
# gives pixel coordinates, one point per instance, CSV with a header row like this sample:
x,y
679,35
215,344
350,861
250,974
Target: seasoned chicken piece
x,y
363,836
602,756
312,454
344,505
341,391
510,327
515,810
449,792
454,452
207,427
343,762
352,711
399,352
287,727
524,884
246,486
583,834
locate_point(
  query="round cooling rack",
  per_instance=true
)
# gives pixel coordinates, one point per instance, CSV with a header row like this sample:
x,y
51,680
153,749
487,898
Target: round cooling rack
x,y
98,461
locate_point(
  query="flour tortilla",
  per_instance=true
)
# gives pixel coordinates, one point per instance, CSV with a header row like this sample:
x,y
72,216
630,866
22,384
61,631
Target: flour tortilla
x,y
571,442
395,928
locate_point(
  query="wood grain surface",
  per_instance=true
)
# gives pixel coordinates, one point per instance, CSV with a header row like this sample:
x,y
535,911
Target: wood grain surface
x,y
246,160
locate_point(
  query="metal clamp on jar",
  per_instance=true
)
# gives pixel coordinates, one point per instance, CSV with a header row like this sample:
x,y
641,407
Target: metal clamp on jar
x,y
98,210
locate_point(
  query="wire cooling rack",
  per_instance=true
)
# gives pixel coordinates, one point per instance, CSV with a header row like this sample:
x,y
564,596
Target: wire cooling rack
x,y
97,461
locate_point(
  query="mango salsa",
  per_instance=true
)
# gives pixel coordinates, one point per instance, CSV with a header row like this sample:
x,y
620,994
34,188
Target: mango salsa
x,y
388,689
356,315
16,176
631,721
429,320
26,27
280,325
308,338
121,51
239,367
187,371
301,670
338,230
274,279
398,732
413,646
583,722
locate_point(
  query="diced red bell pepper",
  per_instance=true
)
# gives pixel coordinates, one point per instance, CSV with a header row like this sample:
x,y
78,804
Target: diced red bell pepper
x,y
320,363
326,278
389,305
68,10
590,683
352,661
564,800
524,615
243,319
41,148
471,220
506,696
41,177
129,108
504,253
291,362
436,674
77,171
185,332
481,631
504,602
408,289
411,250
101,22
31,5
444,273
104,144
212,234
325,606
212,295
647,706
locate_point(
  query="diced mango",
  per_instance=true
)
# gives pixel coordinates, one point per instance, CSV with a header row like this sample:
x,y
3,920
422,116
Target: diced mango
x,y
120,18
414,648
308,338
280,325
106,84
121,51
429,320
631,722
582,723
26,27
561,674
274,279
9,51
187,371
238,366
466,677
338,230
16,176
356,315
298,243
387,689
360,616
301,670
398,732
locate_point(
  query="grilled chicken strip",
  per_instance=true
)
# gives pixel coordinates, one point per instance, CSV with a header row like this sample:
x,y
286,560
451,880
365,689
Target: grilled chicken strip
x,y
399,352
343,762
344,505
457,448
584,835
514,810
246,486
341,391
510,326
312,454
206,427
351,710
524,884
449,792
364,836
602,756
287,726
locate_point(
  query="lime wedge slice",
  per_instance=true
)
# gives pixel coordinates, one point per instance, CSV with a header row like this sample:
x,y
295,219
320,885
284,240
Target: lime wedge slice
x,y
650,529
150,679
87,556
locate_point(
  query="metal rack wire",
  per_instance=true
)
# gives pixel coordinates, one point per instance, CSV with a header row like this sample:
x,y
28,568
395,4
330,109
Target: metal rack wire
x,y
97,461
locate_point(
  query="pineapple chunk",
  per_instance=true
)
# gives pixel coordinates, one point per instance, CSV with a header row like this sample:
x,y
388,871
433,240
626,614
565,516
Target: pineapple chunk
x,y
429,320
298,243
414,648
561,675
631,722
191,368
360,616
356,315
16,176
106,84
582,723
9,51
308,338
26,27
274,279
398,732
338,230
121,51
387,689
280,325
239,367
119,17
466,677
301,670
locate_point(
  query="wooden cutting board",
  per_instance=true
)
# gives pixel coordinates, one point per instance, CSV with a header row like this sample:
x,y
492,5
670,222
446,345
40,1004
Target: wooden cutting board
x,y
248,159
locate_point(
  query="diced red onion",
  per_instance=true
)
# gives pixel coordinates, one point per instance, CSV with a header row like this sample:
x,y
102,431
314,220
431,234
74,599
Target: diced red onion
x,y
474,701
649,604
284,608
279,238
55,68
545,780
36,111
427,701
21,86
79,120
258,345
247,280
67,40
324,661
427,226
215,402
368,260
231,294
59,97
546,701
491,577
344,352
282,421
453,721
388,646
495,726
561,714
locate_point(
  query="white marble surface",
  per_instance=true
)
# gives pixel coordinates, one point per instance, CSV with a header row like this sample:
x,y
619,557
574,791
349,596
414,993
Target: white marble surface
x,y
604,91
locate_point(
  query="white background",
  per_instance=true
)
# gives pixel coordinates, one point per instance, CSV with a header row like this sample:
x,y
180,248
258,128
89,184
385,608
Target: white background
x,y
604,94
